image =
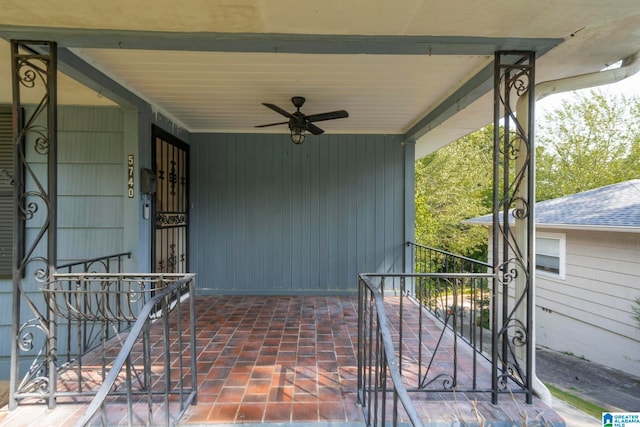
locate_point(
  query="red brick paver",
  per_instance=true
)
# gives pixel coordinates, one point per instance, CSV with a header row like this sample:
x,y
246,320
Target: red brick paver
x,y
276,359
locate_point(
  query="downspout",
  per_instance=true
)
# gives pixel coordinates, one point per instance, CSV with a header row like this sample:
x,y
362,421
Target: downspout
x,y
629,67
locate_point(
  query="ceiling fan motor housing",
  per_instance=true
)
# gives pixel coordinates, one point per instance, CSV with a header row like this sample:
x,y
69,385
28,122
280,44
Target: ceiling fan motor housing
x,y
297,120
298,101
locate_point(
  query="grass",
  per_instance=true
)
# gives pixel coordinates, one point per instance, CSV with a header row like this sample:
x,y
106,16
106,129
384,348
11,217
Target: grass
x,y
579,403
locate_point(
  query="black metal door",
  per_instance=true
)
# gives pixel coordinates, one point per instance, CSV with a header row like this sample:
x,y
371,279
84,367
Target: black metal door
x,y
170,204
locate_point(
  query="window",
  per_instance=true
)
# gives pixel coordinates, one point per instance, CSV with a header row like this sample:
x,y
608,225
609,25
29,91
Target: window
x,y
6,192
550,254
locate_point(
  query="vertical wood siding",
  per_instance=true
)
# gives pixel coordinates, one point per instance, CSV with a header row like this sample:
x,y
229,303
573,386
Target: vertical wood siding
x,y
90,198
269,216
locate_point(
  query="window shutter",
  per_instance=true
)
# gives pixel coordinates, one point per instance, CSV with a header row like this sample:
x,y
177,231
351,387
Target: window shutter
x,y
6,192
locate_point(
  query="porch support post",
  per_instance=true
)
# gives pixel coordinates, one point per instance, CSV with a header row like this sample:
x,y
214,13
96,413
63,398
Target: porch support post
x,y
34,69
409,201
52,230
513,224
18,230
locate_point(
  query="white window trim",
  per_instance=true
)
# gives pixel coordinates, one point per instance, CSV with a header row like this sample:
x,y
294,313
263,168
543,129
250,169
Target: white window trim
x,y
562,249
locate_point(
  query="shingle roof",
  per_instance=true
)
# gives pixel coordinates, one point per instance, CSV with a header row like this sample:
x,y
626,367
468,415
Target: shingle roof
x,y
616,205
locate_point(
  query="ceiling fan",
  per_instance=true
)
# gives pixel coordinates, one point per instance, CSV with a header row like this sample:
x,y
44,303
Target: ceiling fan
x,y
299,123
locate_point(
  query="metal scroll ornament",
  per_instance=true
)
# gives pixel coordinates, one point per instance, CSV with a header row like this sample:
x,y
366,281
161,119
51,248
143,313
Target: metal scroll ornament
x,y
513,220
170,219
173,177
34,66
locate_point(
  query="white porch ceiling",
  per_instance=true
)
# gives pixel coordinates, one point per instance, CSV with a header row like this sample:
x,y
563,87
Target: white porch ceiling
x,y
208,66
223,92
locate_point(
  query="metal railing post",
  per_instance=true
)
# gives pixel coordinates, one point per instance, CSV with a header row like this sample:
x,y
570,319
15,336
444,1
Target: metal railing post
x,y
192,326
34,69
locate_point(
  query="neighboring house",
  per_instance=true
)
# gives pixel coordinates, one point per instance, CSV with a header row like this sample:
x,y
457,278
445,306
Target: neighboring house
x,y
588,274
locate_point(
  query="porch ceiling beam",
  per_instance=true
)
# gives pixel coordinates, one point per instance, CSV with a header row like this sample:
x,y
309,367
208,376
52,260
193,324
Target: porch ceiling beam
x,y
478,85
70,64
474,88
283,43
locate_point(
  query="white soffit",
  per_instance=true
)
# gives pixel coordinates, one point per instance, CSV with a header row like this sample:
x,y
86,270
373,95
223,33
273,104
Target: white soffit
x,y
223,92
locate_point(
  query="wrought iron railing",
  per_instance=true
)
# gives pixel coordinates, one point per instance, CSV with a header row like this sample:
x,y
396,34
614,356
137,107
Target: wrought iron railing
x,y
444,330
481,310
71,348
462,303
153,379
99,308
432,356
62,344
381,390
104,264
431,260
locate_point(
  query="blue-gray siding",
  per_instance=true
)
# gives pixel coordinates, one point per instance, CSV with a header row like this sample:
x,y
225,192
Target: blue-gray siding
x,y
269,216
91,184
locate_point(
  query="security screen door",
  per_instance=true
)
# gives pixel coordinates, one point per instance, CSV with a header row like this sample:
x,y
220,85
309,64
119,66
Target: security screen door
x,y
170,204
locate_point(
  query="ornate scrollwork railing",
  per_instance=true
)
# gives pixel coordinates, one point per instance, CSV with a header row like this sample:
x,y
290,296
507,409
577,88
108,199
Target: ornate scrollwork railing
x,y
72,338
93,313
153,377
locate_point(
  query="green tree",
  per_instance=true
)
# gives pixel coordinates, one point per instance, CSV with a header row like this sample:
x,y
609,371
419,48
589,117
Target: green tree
x,y
452,185
587,143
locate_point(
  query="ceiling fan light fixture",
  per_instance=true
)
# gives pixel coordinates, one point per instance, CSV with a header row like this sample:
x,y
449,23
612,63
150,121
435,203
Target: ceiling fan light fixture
x,y
297,134
299,123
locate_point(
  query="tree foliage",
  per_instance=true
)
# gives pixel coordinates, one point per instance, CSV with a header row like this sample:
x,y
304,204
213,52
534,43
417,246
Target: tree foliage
x,y
454,184
587,143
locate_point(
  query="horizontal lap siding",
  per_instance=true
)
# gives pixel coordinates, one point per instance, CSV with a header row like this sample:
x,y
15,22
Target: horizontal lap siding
x,y
91,182
590,312
602,280
272,217
91,174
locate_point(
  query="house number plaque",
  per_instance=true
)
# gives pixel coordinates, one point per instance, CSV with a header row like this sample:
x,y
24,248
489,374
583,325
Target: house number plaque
x,y
130,176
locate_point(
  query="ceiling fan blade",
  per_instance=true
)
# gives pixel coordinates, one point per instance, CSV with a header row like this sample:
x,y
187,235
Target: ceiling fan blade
x,y
278,109
340,114
271,124
314,129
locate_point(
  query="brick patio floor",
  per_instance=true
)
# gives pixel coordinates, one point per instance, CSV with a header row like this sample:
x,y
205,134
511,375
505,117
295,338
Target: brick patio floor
x,y
276,359
292,359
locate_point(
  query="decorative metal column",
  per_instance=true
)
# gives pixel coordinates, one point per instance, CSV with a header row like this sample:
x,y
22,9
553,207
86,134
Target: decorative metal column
x,y
33,347
513,223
